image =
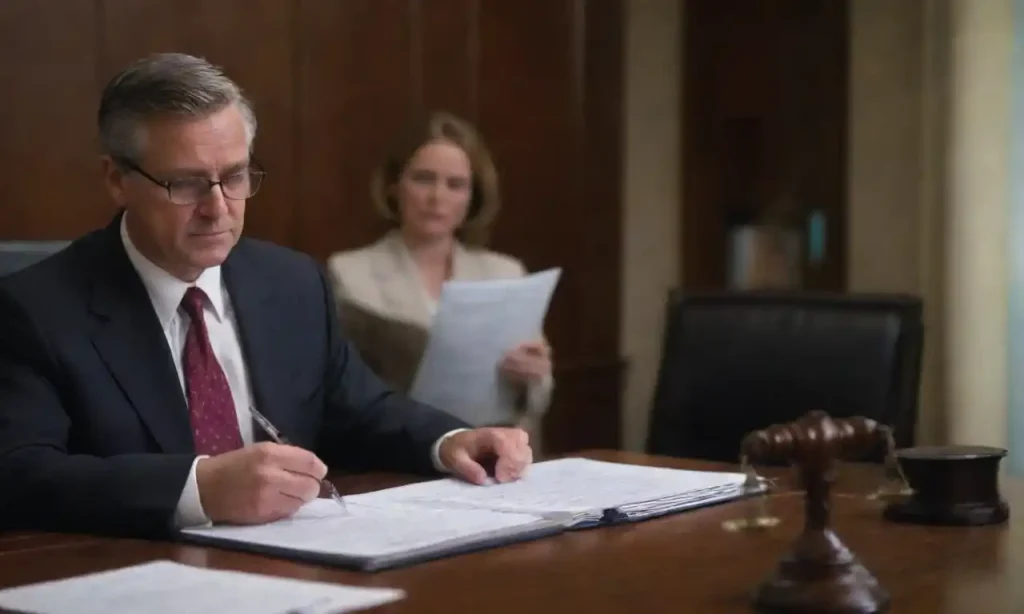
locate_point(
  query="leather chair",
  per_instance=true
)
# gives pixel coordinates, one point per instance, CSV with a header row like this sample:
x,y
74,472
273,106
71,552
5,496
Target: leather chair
x,y
16,255
735,362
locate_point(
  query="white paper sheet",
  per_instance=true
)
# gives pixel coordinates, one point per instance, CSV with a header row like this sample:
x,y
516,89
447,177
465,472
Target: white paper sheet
x,y
166,587
563,486
477,322
367,531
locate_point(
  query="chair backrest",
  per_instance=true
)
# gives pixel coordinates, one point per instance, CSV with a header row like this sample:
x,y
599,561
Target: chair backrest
x,y
735,362
16,255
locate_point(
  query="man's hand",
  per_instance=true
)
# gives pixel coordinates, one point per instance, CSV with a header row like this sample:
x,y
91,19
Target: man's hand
x,y
259,483
465,453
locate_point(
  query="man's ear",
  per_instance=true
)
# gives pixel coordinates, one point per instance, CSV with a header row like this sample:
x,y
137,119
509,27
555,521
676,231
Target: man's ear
x,y
114,179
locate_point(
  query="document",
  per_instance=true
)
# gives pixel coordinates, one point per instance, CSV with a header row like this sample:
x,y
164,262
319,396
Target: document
x,y
374,537
367,531
576,491
438,518
166,587
476,323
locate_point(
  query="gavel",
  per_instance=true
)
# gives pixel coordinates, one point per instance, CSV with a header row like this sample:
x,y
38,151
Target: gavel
x,y
819,574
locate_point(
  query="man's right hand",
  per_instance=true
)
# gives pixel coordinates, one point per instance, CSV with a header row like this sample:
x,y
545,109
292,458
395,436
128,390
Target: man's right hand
x,y
259,483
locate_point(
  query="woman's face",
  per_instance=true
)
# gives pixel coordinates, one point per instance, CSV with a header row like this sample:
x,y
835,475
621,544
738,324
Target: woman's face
x,y
434,190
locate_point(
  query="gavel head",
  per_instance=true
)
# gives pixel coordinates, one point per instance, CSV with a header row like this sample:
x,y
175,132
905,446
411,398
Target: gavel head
x,y
815,439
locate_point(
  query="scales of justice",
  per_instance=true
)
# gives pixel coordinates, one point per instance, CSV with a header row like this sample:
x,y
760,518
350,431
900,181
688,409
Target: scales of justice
x,y
954,485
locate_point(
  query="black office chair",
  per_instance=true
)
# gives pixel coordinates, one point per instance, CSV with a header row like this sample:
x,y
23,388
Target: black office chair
x,y
735,362
17,255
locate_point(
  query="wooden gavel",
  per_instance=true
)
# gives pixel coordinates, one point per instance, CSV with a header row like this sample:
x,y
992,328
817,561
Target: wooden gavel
x,y
819,574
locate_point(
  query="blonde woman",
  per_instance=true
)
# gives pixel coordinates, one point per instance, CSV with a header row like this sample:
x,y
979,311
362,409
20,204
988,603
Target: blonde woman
x,y
439,188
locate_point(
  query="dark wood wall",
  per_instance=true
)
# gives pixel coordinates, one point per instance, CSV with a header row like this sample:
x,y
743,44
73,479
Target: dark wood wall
x,y
764,117
331,79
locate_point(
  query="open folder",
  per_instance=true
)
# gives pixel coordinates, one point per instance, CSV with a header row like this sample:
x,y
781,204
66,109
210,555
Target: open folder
x,y
439,518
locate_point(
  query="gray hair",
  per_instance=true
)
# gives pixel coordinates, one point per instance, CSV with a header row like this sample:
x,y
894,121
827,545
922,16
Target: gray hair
x,y
172,84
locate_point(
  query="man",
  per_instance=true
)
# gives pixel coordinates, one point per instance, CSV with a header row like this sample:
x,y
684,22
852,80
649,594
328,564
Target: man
x,y
131,361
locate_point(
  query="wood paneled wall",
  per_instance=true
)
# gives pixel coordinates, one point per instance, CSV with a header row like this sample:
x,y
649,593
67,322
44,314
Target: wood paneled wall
x,y
764,129
331,80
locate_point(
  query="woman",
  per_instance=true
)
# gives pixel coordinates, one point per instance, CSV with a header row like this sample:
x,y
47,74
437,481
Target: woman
x,y
439,189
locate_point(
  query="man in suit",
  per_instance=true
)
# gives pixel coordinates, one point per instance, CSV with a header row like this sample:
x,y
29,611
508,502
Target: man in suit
x,y
130,361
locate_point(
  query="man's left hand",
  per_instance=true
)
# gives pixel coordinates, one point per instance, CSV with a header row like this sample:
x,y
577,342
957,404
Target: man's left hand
x,y
507,449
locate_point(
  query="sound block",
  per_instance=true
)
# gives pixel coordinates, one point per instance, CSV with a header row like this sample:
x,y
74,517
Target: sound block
x,y
953,486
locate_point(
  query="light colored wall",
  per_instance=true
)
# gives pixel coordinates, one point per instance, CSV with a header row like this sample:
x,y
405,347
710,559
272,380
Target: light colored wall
x,y
928,168
1015,253
885,145
651,185
928,193
893,167
977,182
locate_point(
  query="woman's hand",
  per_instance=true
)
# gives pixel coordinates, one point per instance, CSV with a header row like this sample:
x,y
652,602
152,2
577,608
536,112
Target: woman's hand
x,y
529,362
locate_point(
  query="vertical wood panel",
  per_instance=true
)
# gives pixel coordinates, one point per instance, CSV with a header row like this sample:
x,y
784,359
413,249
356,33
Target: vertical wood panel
x,y
550,105
586,409
49,171
599,202
527,116
251,39
354,89
448,54
599,211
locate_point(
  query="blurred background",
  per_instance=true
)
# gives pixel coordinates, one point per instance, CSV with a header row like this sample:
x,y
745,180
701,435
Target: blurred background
x,y
645,146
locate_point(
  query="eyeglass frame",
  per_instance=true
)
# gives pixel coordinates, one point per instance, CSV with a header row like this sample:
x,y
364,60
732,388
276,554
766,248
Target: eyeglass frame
x,y
254,168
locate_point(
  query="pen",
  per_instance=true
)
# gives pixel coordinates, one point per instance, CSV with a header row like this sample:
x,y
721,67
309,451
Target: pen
x,y
276,435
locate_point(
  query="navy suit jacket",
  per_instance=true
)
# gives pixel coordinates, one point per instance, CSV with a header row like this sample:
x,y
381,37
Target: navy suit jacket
x,y
94,427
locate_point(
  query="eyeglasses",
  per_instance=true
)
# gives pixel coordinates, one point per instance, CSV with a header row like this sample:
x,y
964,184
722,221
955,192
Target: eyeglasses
x,y
189,191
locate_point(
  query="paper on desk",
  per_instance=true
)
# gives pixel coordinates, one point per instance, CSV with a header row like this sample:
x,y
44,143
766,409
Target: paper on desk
x,y
366,531
166,587
564,486
477,322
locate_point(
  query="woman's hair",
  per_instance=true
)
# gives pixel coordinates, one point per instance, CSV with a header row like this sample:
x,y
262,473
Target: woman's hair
x,y
440,125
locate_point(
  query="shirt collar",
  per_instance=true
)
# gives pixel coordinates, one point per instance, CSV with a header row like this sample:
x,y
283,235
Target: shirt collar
x,y
166,290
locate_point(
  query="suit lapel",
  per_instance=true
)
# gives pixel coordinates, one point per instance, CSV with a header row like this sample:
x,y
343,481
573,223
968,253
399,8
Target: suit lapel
x,y
400,285
464,265
399,282
131,343
259,331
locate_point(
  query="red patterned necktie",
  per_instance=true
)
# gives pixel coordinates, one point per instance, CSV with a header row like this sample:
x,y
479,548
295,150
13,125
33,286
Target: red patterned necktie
x,y
210,406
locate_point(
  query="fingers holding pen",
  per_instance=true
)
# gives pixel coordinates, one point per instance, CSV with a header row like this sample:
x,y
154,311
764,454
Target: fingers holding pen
x,y
258,483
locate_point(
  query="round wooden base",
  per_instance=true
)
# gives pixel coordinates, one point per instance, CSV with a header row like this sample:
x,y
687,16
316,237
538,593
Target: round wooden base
x,y
821,576
953,486
966,515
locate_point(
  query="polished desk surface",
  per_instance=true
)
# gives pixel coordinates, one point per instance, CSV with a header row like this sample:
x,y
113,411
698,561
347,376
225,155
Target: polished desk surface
x,y
680,563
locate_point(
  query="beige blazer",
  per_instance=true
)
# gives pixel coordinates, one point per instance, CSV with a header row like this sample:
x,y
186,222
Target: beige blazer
x,y
387,313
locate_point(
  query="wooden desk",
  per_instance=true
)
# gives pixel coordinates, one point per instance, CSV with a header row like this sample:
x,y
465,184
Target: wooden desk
x,y
681,563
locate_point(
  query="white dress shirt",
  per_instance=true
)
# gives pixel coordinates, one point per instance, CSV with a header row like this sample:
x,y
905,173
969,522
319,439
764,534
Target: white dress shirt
x,y
166,292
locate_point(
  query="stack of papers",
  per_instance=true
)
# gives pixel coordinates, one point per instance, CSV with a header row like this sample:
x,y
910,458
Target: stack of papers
x,y
444,517
375,537
166,587
577,492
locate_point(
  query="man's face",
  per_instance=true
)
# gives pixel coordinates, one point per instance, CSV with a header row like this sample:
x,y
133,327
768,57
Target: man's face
x,y
184,238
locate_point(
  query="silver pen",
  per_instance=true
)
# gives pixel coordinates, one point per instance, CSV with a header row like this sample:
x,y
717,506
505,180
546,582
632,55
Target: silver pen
x,y
276,435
